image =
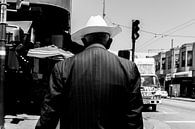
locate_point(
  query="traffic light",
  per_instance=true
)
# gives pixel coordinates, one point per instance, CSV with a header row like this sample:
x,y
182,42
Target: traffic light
x,y
135,29
124,53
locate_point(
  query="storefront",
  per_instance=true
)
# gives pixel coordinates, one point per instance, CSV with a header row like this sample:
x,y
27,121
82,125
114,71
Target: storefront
x,y
180,86
26,77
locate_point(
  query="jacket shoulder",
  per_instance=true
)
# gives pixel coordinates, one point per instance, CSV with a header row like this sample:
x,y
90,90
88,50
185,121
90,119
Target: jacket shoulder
x,y
130,67
126,62
64,67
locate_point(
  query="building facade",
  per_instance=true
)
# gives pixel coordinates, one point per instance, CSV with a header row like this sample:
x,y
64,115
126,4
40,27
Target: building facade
x,y
171,61
160,67
183,76
185,60
177,70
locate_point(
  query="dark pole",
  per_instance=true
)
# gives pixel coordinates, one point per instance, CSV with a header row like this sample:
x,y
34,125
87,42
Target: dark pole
x,y
134,36
104,8
2,58
133,41
133,49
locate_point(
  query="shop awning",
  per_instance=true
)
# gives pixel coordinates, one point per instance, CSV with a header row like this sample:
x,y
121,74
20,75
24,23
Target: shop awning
x,y
24,25
183,74
49,51
65,4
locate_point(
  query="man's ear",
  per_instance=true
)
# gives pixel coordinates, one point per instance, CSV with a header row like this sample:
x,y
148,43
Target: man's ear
x,y
109,43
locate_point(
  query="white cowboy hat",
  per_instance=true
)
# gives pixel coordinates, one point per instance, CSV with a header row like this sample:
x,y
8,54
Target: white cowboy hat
x,y
95,24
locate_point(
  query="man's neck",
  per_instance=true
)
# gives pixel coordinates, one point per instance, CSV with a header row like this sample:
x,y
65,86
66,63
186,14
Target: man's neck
x,y
96,45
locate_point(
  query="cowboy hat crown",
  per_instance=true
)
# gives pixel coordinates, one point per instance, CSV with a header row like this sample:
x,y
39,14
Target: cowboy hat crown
x,y
95,24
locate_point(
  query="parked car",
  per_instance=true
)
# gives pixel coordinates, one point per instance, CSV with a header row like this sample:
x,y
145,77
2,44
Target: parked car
x,y
164,94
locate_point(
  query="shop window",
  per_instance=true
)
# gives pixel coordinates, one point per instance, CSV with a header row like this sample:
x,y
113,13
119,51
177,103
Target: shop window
x,y
176,60
163,63
169,62
189,58
183,55
157,65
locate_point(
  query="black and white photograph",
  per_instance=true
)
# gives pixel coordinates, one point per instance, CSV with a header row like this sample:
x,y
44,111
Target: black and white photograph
x,y
97,64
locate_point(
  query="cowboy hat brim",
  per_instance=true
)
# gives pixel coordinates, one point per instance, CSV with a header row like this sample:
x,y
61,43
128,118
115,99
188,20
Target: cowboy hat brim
x,y
77,36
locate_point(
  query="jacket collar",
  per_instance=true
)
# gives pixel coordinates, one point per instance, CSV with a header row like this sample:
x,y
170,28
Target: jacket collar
x,y
96,45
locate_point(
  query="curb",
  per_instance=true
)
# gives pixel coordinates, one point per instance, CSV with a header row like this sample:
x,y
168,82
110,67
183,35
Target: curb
x,y
183,99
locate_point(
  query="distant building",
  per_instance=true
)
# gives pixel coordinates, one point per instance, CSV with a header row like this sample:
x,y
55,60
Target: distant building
x,y
160,66
175,67
183,75
185,61
171,61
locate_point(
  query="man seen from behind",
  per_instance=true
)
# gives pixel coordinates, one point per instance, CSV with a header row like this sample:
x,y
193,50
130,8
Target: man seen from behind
x,y
94,89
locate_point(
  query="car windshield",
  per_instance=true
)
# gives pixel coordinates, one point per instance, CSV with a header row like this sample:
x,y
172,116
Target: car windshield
x,y
149,81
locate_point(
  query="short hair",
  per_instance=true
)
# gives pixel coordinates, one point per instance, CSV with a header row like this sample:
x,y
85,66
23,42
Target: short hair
x,y
98,37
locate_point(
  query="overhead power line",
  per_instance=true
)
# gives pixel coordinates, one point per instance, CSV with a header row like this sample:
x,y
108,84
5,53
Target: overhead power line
x,y
178,26
158,36
163,34
168,33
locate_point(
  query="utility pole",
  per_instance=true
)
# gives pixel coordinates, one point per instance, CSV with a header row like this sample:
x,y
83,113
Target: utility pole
x,y
172,58
171,43
133,50
2,58
172,66
104,8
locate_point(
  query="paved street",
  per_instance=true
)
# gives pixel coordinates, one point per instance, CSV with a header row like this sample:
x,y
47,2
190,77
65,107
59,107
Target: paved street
x,y
173,114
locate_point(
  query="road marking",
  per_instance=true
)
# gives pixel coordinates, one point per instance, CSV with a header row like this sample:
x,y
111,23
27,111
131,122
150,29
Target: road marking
x,y
180,122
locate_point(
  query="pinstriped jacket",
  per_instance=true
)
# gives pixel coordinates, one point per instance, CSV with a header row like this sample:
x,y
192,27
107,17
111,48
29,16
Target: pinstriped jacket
x,y
94,89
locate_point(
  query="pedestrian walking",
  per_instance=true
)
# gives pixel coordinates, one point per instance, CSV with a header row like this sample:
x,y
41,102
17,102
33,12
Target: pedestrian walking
x,y
94,89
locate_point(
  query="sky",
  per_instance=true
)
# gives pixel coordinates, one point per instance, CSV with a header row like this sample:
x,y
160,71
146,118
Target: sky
x,y
163,23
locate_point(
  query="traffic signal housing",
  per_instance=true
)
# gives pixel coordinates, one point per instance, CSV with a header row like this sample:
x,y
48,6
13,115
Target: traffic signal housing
x,y
135,29
124,54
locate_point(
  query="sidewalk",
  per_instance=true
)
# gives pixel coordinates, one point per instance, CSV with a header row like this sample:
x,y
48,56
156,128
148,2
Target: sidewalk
x,y
148,124
22,121
183,99
29,121
156,124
